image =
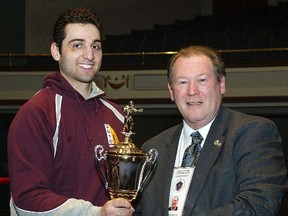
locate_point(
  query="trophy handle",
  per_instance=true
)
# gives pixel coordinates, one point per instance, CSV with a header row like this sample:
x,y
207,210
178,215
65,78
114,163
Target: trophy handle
x,y
152,155
151,159
99,156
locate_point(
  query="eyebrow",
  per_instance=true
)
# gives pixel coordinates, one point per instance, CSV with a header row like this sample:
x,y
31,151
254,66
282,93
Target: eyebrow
x,y
82,40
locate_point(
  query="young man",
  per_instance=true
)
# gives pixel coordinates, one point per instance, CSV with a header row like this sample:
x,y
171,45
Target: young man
x,y
52,138
236,163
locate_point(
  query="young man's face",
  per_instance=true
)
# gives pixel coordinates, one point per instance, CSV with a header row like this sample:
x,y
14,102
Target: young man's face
x,y
196,90
81,53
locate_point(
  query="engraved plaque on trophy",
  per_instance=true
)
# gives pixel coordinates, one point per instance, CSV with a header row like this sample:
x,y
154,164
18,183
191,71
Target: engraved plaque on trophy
x,y
125,168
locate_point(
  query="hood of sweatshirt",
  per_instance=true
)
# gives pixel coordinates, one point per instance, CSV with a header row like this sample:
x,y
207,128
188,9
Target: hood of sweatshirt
x,y
61,86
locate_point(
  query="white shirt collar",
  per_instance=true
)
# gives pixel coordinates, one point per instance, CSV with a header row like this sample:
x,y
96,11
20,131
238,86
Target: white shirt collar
x,y
185,139
95,91
187,131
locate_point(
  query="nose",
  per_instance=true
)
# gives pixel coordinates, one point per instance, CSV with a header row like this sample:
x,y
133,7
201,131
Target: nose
x,y
88,53
192,89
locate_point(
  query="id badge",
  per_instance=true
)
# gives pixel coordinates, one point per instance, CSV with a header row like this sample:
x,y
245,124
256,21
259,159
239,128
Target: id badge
x,y
180,184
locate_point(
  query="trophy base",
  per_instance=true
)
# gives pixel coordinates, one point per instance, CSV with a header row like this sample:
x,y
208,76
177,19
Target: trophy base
x,y
126,194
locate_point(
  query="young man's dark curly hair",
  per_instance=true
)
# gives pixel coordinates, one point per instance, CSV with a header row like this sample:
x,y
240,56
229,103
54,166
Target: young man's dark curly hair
x,y
74,15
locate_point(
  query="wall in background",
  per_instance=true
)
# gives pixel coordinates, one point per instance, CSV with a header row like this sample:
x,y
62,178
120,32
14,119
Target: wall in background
x,y
118,17
26,26
12,25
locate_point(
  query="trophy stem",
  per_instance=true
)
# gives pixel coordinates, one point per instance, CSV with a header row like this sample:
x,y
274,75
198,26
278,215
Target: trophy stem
x,y
129,195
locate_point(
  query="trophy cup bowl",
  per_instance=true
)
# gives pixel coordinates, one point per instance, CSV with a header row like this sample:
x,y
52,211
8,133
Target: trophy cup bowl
x,y
124,168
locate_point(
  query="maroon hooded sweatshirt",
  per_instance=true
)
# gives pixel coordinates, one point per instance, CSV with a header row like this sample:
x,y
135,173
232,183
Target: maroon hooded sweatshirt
x,y
51,145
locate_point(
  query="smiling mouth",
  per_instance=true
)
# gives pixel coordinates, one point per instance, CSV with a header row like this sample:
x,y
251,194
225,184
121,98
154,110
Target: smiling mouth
x,y
194,103
86,66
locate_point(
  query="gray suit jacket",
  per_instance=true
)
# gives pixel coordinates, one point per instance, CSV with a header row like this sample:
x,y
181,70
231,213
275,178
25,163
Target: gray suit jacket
x,y
246,175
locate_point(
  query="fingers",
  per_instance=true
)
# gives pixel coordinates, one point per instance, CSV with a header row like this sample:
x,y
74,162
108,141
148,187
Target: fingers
x,y
121,203
117,207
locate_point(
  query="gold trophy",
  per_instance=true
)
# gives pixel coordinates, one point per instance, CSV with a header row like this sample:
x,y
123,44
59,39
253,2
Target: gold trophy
x,y
124,168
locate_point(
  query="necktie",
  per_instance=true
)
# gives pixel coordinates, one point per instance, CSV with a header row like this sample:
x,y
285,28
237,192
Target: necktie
x,y
192,152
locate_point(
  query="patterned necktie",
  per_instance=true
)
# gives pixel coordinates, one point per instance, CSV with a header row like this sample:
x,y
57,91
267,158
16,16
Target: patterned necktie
x,y
192,152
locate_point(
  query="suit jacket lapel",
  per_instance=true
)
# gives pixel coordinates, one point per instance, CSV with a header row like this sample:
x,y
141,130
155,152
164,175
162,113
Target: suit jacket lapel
x,y
167,172
214,143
